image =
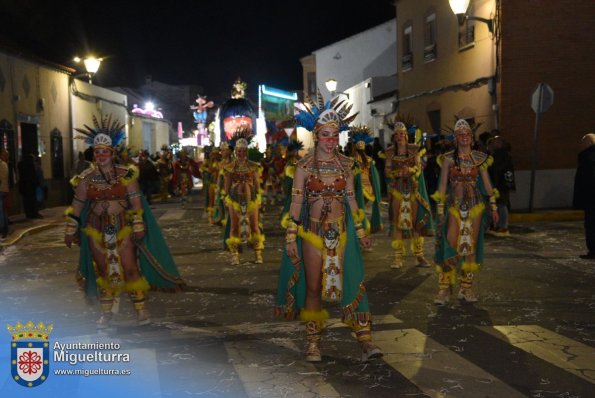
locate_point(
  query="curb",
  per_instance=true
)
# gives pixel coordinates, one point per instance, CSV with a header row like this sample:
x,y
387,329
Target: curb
x,y
566,215
27,231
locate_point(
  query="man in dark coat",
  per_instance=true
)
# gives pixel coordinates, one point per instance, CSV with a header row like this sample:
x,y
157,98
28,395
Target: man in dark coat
x,y
584,191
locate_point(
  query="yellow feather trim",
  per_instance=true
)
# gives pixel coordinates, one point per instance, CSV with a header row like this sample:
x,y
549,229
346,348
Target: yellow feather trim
x,y
487,163
290,171
311,238
440,160
285,220
470,266
396,194
359,216
381,155
257,238
69,211
124,232
75,181
475,211
398,244
233,241
131,176
93,234
139,284
314,315
439,197
495,193
370,197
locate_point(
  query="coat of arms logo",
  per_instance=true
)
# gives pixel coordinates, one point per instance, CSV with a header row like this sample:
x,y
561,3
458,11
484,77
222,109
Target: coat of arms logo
x,y
29,353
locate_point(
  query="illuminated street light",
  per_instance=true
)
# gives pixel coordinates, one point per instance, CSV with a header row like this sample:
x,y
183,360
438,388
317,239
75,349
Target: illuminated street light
x,y
331,85
459,8
91,66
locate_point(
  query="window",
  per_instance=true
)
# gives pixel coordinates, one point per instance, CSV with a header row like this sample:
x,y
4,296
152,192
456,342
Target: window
x,y
435,120
407,60
430,38
311,84
467,31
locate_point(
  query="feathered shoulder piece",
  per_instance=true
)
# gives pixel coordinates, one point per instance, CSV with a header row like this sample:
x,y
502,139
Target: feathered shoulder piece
x,y
104,133
346,162
306,161
360,135
321,113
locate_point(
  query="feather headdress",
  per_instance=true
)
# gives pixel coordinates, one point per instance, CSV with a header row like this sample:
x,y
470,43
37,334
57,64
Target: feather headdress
x,y
320,113
243,133
449,132
360,136
108,133
295,145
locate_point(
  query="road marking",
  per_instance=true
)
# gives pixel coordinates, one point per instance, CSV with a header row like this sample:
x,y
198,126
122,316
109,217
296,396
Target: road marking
x,y
172,214
264,372
565,353
435,369
250,328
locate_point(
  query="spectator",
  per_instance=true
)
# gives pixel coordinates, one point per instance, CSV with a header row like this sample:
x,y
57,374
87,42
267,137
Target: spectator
x,y
379,160
28,183
584,191
4,189
502,175
148,177
81,163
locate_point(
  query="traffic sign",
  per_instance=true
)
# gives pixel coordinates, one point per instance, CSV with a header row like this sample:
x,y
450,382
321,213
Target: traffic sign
x,y
542,98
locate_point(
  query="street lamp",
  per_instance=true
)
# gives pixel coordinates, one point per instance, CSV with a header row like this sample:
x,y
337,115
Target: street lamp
x,y
91,65
331,85
459,8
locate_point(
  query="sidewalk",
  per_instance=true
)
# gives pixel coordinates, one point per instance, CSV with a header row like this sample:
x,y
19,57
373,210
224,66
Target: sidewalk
x,y
21,226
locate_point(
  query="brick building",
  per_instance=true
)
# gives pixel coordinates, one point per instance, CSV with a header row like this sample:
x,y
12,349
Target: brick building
x,y
447,69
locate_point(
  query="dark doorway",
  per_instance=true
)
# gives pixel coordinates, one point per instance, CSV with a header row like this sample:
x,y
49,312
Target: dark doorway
x,y
29,141
57,154
7,142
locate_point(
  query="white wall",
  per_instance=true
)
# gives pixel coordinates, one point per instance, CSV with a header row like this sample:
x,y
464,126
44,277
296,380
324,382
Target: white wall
x,y
357,58
553,189
88,100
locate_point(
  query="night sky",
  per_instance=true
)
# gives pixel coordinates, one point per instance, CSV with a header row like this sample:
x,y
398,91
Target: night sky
x,y
207,43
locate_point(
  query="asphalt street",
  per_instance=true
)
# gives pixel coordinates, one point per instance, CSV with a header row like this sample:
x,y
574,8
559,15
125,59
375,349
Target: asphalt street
x,y
532,333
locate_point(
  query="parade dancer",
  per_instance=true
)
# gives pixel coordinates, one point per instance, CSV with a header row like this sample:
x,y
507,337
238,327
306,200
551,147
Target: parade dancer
x,y
461,197
322,258
184,169
409,208
122,249
293,156
219,213
165,171
366,178
243,199
210,174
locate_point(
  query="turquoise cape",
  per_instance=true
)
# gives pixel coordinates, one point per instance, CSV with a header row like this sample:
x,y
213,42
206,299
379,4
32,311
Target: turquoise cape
x,y
156,262
291,290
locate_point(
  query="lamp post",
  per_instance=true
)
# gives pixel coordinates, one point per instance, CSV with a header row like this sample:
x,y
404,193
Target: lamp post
x,y
331,85
459,8
91,66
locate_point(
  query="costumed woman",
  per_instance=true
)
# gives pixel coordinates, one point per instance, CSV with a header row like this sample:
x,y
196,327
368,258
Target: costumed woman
x,y
322,258
366,178
243,199
293,156
122,249
184,169
409,209
219,213
463,190
210,173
